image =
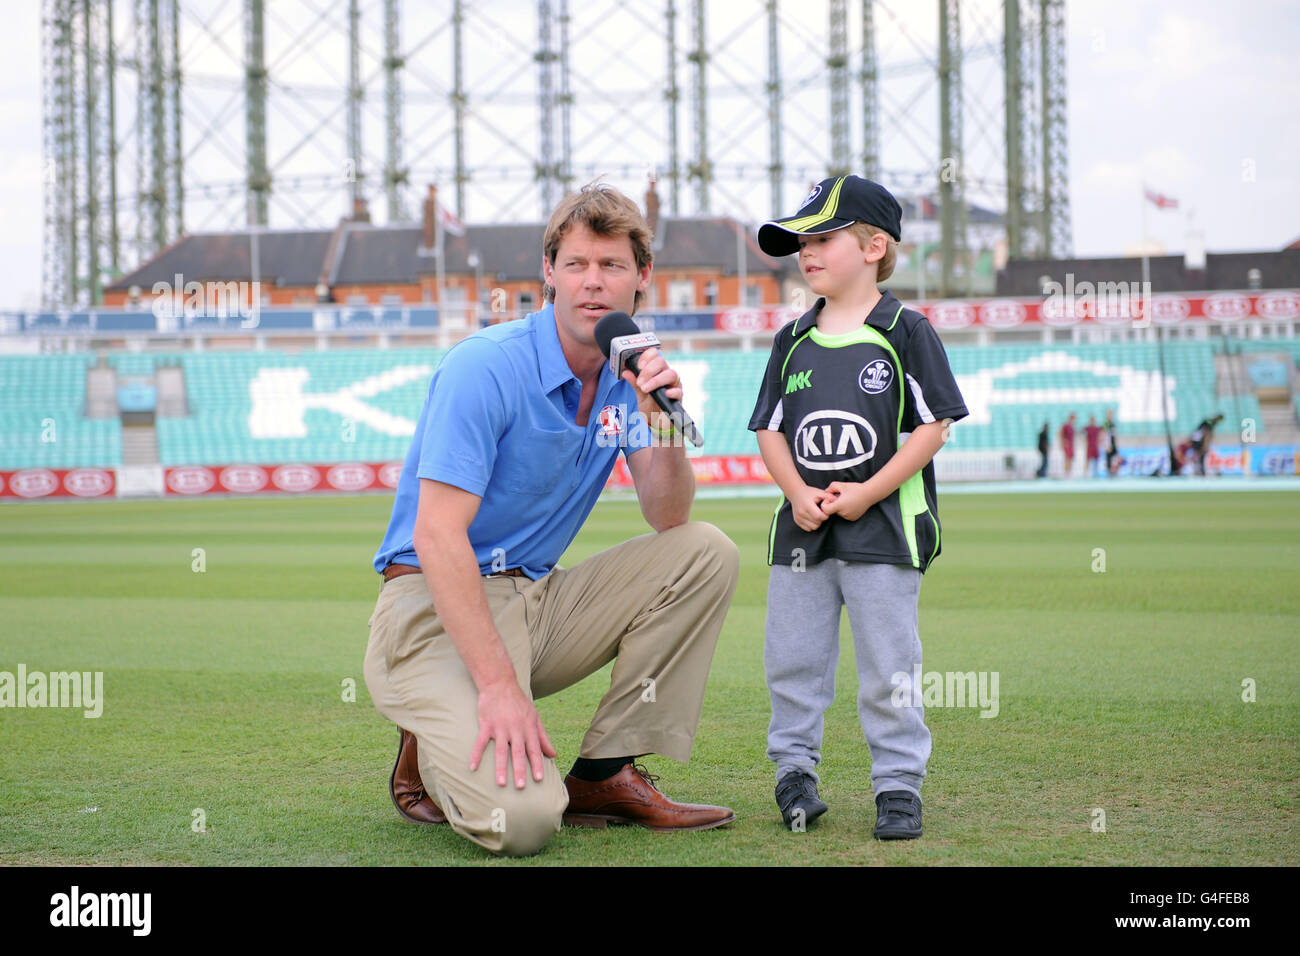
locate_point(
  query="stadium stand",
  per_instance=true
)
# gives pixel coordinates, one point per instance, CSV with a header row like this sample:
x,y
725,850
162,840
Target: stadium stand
x,y
1287,346
361,405
42,415
131,364
268,407
339,405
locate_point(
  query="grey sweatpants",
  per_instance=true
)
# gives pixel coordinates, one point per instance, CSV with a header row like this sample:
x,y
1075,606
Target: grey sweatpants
x,y
802,650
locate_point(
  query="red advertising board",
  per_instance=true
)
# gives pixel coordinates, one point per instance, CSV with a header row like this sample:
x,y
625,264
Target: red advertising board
x,y
1104,303
295,478
57,483
292,478
709,470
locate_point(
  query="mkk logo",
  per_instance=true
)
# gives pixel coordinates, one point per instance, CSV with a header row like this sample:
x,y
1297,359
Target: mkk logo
x,y
797,381
831,440
875,377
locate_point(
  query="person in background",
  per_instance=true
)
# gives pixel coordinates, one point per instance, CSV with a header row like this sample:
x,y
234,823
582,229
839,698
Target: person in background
x,y
1092,441
1067,444
1114,461
1201,438
1044,446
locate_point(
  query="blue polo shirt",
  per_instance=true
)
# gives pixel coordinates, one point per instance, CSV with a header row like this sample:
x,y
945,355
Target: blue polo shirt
x,y
499,422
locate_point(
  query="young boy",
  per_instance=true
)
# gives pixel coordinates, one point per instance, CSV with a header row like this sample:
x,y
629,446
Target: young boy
x,y
856,401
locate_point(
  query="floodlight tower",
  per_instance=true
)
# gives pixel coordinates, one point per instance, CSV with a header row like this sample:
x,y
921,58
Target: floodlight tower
x,y
837,65
1056,168
952,192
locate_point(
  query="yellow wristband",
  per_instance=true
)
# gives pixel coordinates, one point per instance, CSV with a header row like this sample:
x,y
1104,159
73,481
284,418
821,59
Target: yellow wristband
x,y
670,432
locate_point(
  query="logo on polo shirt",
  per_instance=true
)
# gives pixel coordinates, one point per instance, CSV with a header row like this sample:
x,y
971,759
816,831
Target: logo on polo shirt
x,y
798,381
611,421
830,440
875,377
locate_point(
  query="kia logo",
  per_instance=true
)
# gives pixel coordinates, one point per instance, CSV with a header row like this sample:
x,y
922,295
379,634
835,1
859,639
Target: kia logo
x,y
350,477
1168,309
777,318
830,440
390,474
243,478
88,483
295,478
743,321
1227,307
34,484
1279,305
1002,314
1117,310
952,315
190,481
1057,312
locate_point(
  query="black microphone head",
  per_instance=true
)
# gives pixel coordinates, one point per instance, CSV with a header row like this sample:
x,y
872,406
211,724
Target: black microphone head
x,y
611,326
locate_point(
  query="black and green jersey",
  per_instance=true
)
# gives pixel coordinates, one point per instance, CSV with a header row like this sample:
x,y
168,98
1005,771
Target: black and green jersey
x,y
845,404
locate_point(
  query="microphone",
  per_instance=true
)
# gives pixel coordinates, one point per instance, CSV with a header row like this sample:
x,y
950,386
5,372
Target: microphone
x,y
621,342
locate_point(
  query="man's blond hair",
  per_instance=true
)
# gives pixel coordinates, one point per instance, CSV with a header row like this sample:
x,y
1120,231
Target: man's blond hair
x,y
864,231
607,213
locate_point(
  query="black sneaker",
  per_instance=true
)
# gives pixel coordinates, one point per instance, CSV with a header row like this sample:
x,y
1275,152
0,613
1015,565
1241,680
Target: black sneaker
x,y
797,799
898,815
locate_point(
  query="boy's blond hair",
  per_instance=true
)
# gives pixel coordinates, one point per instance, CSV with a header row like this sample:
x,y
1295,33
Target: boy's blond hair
x,y
607,213
864,231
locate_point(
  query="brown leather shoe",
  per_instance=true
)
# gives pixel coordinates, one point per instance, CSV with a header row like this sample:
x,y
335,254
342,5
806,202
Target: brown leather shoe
x,y
630,797
407,789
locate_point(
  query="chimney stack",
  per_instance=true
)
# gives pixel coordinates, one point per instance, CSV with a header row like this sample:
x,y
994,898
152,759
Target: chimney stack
x,y
429,227
652,207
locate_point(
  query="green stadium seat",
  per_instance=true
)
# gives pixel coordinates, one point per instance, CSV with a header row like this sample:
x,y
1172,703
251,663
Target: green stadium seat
x,y
1034,383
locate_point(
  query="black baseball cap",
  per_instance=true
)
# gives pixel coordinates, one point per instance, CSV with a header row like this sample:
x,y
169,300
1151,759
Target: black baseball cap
x,y
833,204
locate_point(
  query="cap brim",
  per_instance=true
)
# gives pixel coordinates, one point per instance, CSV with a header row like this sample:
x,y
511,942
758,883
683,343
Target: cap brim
x,y
776,239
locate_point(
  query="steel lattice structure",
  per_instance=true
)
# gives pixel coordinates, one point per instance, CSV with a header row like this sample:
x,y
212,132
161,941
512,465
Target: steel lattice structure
x,y
162,116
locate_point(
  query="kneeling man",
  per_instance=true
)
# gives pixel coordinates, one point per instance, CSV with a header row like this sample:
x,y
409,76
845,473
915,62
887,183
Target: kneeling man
x,y
520,430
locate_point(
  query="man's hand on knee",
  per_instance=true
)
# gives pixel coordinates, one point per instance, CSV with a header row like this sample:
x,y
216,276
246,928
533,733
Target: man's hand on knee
x,y
508,717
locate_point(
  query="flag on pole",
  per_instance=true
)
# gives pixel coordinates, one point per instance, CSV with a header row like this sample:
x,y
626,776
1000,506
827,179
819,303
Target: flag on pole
x,y
1161,201
449,221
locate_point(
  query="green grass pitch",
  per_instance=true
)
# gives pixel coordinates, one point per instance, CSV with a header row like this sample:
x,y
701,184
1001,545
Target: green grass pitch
x,y
1120,691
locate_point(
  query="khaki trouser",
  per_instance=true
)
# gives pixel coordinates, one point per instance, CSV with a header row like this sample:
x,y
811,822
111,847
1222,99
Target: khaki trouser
x,y
656,603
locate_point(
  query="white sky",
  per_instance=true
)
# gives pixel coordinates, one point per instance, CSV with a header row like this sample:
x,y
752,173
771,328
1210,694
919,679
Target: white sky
x,y
1197,99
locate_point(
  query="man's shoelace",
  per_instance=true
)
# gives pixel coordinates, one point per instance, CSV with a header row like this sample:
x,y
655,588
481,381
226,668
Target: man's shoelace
x,y
650,778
